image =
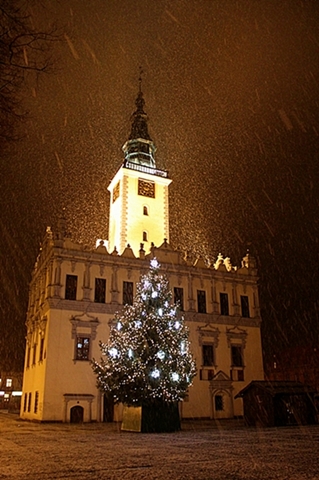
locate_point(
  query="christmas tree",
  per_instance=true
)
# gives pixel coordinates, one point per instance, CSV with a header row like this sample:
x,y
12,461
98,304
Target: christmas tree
x,y
147,360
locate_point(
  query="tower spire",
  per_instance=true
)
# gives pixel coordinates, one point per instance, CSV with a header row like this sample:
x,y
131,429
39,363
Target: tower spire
x,y
139,150
139,127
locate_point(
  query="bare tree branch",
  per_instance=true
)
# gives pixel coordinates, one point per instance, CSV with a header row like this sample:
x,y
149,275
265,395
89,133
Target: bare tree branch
x,y
23,51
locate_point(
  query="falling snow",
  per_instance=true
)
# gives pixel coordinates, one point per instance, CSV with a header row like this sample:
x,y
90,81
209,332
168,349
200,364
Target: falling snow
x,y
231,90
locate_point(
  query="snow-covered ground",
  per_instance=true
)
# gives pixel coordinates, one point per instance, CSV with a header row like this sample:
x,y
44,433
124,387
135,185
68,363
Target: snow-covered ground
x,y
202,450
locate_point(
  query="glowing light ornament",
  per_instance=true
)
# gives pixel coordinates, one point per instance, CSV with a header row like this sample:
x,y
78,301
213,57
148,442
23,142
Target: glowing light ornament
x,y
147,284
154,263
177,324
138,323
130,353
183,347
113,352
160,312
160,354
154,294
144,296
119,325
175,377
155,373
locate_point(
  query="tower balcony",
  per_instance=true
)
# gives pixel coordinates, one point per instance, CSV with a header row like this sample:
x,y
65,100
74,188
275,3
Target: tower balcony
x,y
130,162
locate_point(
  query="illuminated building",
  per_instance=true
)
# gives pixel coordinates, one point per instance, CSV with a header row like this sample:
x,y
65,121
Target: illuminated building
x,y
75,292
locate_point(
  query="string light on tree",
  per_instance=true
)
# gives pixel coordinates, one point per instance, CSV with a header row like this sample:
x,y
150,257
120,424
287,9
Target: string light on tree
x,y
147,357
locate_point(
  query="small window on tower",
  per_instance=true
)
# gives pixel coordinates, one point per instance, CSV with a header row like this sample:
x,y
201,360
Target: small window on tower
x,y
145,237
145,210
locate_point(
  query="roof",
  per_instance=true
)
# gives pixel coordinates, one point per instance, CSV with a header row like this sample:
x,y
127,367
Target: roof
x,y
277,387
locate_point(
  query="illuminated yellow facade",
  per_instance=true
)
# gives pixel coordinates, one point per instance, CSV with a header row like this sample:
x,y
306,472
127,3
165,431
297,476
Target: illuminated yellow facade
x,y
75,292
138,210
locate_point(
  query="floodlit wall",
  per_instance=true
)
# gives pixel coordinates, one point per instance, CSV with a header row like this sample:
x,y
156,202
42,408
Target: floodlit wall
x,y
128,219
63,382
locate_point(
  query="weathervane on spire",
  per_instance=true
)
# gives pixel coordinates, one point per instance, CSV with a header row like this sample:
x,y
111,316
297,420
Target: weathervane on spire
x,y
140,79
140,102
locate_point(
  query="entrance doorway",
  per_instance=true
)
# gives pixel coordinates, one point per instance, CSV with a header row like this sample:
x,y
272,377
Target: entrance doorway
x,y
76,414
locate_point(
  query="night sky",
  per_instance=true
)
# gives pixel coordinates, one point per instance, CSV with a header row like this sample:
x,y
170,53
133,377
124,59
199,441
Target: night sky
x,y
231,90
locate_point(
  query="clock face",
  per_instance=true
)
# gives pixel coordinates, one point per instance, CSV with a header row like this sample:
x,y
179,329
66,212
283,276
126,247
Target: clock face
x,y
116,192
146,189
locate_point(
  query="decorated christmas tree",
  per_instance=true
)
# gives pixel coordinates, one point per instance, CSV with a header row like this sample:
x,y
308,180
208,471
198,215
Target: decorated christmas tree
x,y
147,361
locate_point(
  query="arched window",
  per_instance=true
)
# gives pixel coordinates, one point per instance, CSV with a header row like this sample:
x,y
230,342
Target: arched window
x,y
145,210
145,237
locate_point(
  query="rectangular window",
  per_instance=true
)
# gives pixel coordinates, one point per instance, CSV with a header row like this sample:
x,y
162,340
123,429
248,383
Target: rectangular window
x,y
224,308
201,301
70,287
41,349
34,357
127,293
240,375
25,402
244,306
100,290
82,348
36,402
208,355
237,356
9,382
29,402
219,406
28,356
179,297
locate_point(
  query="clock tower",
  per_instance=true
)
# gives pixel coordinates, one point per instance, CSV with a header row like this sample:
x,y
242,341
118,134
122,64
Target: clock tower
x,y
139,191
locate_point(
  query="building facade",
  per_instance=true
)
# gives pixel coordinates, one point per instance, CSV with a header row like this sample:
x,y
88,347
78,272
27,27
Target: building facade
x,y
10,390
75,292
